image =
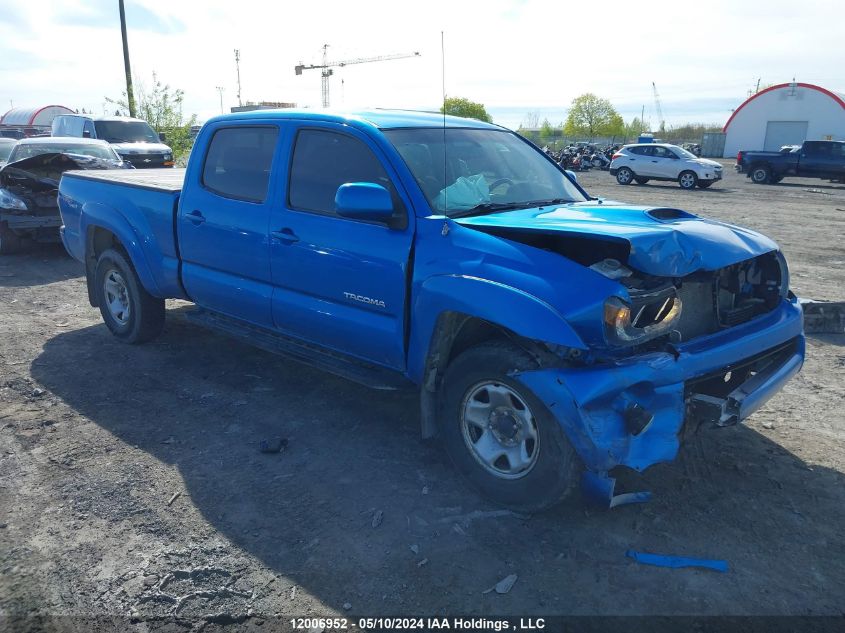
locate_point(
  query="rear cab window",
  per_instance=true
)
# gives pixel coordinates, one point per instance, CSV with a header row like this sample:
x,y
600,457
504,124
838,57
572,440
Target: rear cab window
x,y
238,162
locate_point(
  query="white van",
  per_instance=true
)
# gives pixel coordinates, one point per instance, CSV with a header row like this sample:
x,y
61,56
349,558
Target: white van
x,y
133,139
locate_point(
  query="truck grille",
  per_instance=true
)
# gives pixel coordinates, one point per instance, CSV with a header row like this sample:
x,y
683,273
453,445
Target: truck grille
x,y
730,296
144,161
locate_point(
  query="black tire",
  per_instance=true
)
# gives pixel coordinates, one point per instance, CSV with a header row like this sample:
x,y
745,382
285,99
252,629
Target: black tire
x,y
760,175
553,474
687,180
143,318
11,242
624,176
703,184
641,180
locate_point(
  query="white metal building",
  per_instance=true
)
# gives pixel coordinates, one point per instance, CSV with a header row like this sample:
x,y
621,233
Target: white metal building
x,y
33,117
786,114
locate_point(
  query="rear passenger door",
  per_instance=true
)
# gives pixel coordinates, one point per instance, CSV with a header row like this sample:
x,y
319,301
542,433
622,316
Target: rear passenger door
x,y
339,282
223,223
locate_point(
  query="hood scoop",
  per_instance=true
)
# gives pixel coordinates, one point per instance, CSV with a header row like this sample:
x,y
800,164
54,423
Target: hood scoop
x,y
667,214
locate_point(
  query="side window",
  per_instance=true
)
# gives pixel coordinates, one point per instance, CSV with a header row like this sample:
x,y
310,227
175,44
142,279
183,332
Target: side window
x,y
238,161
323,161
817,149
643,150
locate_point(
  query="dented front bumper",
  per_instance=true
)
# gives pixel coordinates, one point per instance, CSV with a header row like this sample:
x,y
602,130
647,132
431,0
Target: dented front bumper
x,y
632,412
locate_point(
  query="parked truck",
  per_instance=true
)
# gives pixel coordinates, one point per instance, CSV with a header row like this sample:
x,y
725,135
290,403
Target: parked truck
x,y
133,139
549,334
811,159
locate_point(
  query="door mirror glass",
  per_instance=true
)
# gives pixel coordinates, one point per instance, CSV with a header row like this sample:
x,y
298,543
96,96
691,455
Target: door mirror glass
x,y
162,137
363,201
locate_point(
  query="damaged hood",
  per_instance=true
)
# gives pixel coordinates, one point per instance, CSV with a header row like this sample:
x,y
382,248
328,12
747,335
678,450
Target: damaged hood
x,y
662,241
43,172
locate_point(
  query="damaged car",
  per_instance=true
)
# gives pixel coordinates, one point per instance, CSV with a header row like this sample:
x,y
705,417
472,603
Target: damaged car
x,y
29,185
552,337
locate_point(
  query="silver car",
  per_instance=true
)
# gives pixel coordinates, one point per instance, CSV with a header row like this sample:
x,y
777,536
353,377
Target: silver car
x,y
642,162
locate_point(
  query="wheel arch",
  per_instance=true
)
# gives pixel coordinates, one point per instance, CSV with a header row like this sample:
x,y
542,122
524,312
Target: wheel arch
x,y
104,229
454,313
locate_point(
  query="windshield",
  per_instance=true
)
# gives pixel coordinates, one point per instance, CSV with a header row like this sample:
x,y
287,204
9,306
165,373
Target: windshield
x,y
682,152
5,150
126,132
480,170
22,151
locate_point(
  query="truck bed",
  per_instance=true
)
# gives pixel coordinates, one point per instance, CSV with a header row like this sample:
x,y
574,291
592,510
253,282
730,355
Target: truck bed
x,y
168,180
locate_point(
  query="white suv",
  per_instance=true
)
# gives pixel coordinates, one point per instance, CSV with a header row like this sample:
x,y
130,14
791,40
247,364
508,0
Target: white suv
x,y
660,161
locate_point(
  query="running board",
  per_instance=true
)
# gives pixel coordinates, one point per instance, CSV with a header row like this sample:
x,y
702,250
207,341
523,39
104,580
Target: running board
x,y
359,371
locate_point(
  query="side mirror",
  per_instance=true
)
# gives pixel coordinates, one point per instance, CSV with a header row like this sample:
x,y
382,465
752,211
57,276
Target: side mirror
x,y
162,137
86,134
363,201
572,175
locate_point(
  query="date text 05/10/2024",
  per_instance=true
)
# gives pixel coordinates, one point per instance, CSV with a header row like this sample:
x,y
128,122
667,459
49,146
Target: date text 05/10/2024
x,y
424,624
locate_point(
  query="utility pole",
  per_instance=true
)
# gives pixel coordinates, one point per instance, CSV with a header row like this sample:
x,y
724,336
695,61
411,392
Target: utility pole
x,y
130,97
238,70
220,90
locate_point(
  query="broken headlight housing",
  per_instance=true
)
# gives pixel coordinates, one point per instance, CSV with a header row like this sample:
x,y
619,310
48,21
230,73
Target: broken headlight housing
x,y
647,316
9,200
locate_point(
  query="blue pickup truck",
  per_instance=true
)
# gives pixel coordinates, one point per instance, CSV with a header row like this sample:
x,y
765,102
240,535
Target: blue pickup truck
x,y
551,336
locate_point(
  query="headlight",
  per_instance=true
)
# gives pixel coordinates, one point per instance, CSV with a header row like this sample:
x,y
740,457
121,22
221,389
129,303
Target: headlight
x,y
9,200
168,157
649,316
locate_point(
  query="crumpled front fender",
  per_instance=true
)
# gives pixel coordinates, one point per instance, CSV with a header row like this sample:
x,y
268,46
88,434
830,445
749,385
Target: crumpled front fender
x,y
591,402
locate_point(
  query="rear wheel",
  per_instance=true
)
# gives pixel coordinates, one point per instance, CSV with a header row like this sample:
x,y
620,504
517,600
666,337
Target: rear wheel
x,y
761,175
499,435
131,313
687,180
640,180
624,176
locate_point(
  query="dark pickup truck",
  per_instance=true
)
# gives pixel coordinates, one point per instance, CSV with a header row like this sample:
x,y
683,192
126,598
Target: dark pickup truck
x,y
812,159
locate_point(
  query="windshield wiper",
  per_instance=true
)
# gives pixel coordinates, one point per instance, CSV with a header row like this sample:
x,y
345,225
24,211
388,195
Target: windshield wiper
x,y
489,207
493,207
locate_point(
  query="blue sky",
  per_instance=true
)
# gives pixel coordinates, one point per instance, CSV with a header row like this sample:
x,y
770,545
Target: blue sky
x,y
514,56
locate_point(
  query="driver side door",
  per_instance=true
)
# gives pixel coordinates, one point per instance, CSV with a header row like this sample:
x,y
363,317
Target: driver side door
x,y
338,282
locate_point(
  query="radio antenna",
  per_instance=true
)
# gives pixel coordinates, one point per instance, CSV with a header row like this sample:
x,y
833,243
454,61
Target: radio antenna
x,y
443,89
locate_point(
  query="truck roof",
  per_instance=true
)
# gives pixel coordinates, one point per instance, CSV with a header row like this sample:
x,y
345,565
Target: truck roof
x,y
382,119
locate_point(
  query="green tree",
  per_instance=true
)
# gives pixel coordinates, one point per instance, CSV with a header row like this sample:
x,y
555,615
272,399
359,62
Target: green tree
x,y
547,131
161,107
592,116
458,106
635,128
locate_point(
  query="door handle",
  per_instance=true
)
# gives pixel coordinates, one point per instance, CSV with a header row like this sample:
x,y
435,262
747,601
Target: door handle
x,y
196,217
285,235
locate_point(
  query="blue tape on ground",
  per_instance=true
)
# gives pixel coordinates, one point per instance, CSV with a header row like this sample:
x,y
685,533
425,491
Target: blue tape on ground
x,y
677,562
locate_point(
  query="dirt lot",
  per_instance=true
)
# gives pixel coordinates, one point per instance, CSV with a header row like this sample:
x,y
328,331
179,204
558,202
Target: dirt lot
x,y
131,481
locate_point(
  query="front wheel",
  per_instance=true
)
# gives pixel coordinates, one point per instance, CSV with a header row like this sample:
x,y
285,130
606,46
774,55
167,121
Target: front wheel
x,y
131,313
499,435
687,180
624,176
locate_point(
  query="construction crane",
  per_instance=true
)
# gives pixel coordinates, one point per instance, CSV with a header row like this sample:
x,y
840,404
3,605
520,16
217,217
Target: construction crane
x,y
658,108
327,66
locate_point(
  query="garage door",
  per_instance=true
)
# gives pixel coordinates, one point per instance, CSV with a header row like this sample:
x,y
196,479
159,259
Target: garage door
x,y
780,133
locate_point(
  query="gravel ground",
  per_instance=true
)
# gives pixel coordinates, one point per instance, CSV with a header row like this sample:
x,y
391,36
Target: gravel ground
x,y
131,483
